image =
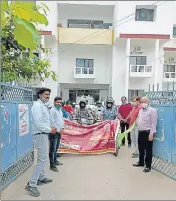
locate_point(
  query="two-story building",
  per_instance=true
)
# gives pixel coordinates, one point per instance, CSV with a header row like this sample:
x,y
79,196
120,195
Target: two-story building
x,y
109,48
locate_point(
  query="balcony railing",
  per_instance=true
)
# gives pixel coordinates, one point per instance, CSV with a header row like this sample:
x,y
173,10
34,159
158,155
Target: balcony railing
x,y
140,71
84,72
169,76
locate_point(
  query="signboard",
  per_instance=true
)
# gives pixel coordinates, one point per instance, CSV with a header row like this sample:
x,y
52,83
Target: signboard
x,y
23,113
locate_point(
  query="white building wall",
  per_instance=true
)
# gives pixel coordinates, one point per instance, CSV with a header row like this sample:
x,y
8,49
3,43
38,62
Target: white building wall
x,y
50,83
51,16
162,25
171,43
64,62
118,71
86,12
102,56
89,2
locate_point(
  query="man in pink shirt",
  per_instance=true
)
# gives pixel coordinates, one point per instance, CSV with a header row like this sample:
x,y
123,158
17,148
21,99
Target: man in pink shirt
x,y
132,117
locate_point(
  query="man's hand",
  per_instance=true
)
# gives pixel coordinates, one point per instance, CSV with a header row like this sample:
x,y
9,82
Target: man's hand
x,y
150,138
61,131
125,120
53,130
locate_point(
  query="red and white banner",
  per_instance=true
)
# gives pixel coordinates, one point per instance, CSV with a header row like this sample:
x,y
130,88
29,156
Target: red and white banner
x,y
93,139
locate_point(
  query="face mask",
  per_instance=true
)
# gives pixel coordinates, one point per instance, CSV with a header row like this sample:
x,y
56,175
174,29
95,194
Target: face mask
x,y
58,107
44,100
144,105
134,104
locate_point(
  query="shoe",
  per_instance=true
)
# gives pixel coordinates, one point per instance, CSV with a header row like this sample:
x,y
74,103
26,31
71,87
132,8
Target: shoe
x,y
134,155
129,145
58,163
146,170
54,168
138,165
58,155
44,181
32,190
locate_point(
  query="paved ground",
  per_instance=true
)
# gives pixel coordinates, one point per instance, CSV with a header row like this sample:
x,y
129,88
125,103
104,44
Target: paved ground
x,y
99,177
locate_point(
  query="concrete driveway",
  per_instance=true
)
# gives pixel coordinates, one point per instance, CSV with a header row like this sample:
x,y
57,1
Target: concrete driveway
x,y
98,177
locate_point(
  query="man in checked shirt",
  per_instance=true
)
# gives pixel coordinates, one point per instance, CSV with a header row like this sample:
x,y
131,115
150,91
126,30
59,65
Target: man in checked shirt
x,y
146,125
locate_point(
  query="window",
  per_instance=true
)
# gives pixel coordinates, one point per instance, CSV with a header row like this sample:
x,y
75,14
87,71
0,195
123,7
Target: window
x,y
84,66
174,31
169,71
133,93
169,68
73,94
88,24
136,61
144,14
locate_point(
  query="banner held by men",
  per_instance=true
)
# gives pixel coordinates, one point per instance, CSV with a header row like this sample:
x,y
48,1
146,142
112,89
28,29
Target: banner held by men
x,y
93,139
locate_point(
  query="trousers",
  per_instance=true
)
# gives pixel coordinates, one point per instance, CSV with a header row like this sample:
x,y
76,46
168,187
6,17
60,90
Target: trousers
x,y
145,148
54,145
134,140
125,126
41,143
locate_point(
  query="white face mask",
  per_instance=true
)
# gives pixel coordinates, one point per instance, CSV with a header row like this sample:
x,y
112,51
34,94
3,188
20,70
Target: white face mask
x,y
134,104
144,105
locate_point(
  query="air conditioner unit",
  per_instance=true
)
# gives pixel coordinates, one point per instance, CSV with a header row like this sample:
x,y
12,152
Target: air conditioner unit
x,y
138,49
172,60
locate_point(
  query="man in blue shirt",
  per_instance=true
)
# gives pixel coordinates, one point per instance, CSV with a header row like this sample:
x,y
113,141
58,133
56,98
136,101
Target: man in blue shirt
x,y
57,121
41,128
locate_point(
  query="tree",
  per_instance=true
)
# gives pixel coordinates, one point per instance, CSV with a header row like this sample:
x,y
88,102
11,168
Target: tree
x,y
20,39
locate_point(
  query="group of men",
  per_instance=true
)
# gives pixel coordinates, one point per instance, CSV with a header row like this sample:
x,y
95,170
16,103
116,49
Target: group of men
x,y
50,122
145,116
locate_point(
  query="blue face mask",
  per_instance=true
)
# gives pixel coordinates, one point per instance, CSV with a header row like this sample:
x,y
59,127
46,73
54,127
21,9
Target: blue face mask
x,y
58,107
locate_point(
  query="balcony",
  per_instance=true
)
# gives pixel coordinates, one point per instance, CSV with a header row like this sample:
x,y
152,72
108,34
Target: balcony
x,y
169,76
85,36
84,73
141,71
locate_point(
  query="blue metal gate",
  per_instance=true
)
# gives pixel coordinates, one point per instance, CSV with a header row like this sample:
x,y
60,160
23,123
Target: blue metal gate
x,y
16,145
165,139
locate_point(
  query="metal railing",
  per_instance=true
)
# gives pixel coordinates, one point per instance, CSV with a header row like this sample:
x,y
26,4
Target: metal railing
x,y
140,69
84,71
169,75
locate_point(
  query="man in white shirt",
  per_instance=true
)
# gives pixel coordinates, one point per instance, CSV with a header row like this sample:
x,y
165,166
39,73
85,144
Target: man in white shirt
x,y
57,121
41,128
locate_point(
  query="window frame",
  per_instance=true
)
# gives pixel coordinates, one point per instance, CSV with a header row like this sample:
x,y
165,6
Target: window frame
x,y
136,62
174,30
138,14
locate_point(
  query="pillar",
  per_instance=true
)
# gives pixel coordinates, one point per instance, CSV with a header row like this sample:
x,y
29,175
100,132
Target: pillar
x,y
156,65
127,66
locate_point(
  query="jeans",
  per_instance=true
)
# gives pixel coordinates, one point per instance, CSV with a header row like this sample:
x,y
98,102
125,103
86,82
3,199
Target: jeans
x,y
54,145
134,140
41,144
